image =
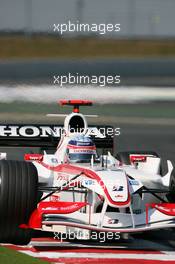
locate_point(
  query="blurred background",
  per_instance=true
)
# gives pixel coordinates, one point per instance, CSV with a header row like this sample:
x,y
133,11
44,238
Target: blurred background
x,y
142,53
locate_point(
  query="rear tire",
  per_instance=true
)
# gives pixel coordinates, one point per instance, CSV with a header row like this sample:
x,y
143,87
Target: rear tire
x,y
18,198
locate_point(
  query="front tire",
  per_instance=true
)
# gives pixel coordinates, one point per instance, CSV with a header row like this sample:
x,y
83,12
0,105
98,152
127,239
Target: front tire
x,y
18,198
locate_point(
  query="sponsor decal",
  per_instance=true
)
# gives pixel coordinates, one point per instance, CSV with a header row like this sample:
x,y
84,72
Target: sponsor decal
x,y
133,182
88,182
45,131
117,188
137,211
30,131
119,196
33,157
113,221
85,151
54,198
137,158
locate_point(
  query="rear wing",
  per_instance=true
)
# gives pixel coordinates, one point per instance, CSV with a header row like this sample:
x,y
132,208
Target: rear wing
x,y
48,135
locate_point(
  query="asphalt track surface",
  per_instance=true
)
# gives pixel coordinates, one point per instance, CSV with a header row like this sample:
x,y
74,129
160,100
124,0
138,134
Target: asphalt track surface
x,y
159,138
147,248
144,248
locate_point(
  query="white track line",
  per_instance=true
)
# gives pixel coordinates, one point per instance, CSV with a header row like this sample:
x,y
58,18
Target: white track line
x,y
59,244
57,255
101,95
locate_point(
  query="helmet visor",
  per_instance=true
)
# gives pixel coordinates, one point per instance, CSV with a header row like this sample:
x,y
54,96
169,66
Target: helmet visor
x,y
80,158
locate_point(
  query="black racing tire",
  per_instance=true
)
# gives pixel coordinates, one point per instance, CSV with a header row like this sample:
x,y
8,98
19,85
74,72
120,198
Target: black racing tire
x,y
171,194
18,198
124,156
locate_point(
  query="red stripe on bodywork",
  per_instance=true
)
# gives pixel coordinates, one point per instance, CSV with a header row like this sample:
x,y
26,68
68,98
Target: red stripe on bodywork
x,y
164,208
81,147
68,168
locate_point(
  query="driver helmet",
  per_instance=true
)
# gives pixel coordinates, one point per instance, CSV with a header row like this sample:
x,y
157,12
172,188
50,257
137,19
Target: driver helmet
x,y
80,149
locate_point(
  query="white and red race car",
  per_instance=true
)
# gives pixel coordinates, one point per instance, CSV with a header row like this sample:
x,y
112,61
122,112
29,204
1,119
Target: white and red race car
x,y
77,190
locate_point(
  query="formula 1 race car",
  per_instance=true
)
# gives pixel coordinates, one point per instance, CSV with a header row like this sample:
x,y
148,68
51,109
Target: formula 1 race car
x,y
75,188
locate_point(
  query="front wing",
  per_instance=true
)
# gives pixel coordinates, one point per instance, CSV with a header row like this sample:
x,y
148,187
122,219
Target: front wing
x,y
53,216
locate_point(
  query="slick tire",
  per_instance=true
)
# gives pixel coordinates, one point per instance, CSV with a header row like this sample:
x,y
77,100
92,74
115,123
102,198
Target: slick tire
x,y
18,198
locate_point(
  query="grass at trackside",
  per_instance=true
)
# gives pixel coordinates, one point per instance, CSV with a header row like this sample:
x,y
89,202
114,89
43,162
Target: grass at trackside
x,y
55,47
159,110
8,256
